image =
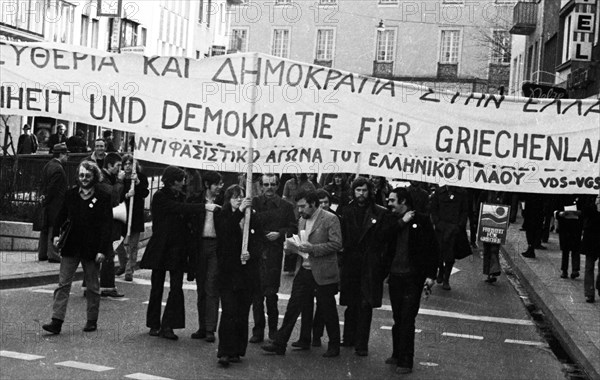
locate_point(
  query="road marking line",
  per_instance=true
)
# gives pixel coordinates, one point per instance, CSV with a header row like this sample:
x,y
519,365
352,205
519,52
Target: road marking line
x,y
49,291
19,355
481,318
141,281
429,364
116,299
526,342
390,328
145,376
477,337
147,302
86,366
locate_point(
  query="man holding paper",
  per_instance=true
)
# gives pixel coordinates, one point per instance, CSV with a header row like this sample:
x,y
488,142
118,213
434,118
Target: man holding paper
x,y
317,272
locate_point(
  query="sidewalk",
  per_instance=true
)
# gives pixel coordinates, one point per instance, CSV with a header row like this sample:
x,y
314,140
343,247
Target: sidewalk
x,y
575,323
22,268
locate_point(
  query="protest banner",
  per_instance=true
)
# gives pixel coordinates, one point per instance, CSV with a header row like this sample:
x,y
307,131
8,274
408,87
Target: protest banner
x,y
493,223
310,117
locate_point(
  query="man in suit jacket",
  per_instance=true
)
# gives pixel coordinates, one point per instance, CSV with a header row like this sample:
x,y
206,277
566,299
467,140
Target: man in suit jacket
x,y
316,273
28,143
58,138
53,186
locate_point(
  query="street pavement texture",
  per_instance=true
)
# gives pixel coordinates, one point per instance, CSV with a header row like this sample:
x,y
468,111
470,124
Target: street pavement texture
x,y
475,331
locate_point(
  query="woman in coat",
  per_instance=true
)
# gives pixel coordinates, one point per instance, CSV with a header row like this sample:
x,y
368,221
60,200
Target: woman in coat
x,y
237,275
167,251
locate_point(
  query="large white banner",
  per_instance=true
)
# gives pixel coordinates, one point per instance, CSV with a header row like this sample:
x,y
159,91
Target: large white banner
x,y
302,117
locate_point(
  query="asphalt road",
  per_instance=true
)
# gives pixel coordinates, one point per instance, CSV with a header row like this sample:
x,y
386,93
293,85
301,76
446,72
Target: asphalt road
x,y
474,331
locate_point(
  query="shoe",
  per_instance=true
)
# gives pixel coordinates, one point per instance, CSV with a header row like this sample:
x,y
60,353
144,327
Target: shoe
x,y
574,275
272,347
167,333
114,293
200,334
272,334
564,274
446,285
90,326
403,370
128,277
542,247
224,361
56,261
256,339
316,342
491,279
235,359
210,337
53,327
42,259
120,271
347,343
530,254
588,299
391,360
154,332
332,352
361,352
301,345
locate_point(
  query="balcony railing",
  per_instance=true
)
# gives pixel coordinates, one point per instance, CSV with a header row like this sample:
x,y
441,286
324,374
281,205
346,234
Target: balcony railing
x,y
447,70
323,62
524,18
383,69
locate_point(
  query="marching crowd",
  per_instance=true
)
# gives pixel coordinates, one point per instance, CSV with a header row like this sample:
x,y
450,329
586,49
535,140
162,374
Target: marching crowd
x,y
354,234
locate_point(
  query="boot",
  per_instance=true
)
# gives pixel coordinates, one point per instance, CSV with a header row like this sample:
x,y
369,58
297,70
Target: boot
x,y
54,327
530,253
440,275
446,278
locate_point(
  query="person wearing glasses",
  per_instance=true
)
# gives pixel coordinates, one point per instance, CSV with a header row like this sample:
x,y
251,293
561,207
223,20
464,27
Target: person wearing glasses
x,y
167,251
237,274
89,211
277,219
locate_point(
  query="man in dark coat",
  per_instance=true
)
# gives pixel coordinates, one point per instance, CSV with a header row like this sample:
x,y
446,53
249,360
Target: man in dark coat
x,y
590,244
412,264
76,143
277,219
533,222
53,185
58,138
366,229
166,251
28,143
449,211
89,211
127,250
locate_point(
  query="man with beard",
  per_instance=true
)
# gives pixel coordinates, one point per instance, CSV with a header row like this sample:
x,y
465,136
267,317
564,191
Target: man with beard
x,y
412,263
99,153
205,259
317,274
366,231
90,213
277,219
53,185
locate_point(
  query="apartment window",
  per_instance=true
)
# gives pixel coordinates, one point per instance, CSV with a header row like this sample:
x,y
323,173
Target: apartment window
x,y
128,33
501,46
386,40
85,26
449,46
24,14
238,40
208,12
388,2
324,45
64,21
142,36
281,43
95,31
201,11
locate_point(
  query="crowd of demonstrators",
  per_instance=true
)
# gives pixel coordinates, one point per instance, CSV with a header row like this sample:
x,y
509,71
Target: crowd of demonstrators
x,y
359,232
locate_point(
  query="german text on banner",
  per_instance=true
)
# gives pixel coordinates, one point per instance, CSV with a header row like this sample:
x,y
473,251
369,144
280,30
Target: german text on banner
x,y
310,118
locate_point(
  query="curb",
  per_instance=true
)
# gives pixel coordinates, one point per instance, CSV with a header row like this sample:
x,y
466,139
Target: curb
x,y
575,342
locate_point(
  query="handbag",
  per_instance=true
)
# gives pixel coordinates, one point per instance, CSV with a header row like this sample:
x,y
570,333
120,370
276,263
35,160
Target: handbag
x,y
65,229
39,217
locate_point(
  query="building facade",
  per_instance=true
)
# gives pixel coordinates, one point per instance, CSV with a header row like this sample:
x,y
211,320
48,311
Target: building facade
x,y
560,53
190,28
449,44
